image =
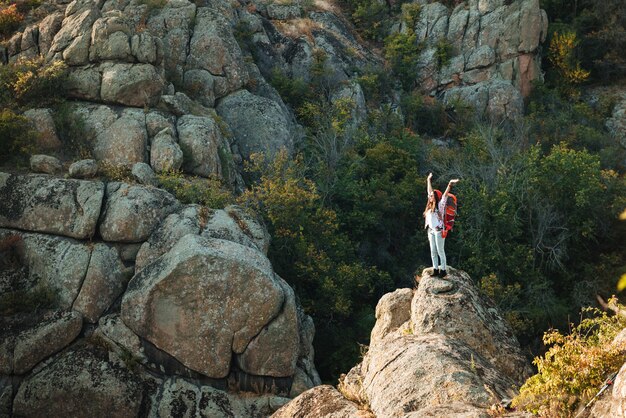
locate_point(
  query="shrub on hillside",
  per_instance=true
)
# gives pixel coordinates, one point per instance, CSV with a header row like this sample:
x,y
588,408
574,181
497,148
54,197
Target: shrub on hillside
x,y
77,140
204,191
402,53
32,82
17,138
575,366
10,19
318,260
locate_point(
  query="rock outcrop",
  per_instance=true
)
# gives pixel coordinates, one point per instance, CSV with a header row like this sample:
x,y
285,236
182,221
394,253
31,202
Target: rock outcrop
x,y
80,383
439,349
613,401
45,204
183,303
200,313
491,46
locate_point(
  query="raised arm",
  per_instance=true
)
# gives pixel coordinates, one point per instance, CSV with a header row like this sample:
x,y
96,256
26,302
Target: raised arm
x,y
450,183
428,184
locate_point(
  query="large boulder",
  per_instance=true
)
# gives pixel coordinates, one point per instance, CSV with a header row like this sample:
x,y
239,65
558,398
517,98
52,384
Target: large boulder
x,y
184,302
232,223
110,39
497,98
135,85
132,212
454,307
392,311
186,221
41,340
119,136
165,153
321,402
439,345
43,204
274,351
56,265
213,48
182,398
259,125
411,372
105,280
202,143
80,383
41,120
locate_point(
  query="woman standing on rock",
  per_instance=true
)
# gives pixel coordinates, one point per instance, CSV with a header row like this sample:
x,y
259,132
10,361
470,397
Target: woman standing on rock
x,y
434,222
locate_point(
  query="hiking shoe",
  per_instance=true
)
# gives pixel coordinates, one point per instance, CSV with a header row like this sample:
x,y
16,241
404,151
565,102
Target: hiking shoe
x,y
442,273
435,272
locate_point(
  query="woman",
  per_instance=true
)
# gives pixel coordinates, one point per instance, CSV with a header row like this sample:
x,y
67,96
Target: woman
x,y
433,221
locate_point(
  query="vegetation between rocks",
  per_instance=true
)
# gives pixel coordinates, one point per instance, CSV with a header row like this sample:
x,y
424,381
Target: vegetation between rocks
x,y
575,366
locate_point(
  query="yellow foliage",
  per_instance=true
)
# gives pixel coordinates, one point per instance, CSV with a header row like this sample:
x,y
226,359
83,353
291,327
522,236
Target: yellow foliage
x,y
561,56
575,366
10,18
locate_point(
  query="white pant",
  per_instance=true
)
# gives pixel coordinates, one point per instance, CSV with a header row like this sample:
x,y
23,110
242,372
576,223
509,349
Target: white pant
x,y
436,248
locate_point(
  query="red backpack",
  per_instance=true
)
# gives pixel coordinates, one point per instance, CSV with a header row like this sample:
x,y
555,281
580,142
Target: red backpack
x,y
448,217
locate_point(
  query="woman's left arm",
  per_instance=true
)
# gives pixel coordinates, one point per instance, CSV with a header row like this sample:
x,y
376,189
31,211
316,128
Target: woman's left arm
x,y
450,183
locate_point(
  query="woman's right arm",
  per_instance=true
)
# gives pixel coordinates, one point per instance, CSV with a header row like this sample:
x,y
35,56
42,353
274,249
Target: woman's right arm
x,y
428,184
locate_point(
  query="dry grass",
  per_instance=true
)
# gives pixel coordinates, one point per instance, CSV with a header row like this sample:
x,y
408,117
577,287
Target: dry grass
x,y
327,5
297,28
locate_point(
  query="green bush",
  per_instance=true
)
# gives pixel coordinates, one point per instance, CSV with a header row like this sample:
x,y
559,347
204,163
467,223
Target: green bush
x,y
115,172
32,83
402,53
293,90
575,366
371,17
10,19
204,191
17,138
317,259
77,140
600,27
443,53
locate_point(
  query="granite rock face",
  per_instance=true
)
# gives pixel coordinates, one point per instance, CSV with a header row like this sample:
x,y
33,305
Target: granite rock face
x,y
439,349
80,383
105,281
322,401
131,213
26,346
230,223
44,204
183,302
495,41
258,124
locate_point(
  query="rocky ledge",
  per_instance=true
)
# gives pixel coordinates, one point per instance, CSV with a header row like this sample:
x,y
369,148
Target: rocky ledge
x,y
439,350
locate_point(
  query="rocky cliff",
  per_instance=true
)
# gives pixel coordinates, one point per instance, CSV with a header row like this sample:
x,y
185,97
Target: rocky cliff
x,y
439,350
143,306
165,312
493,52
153,79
